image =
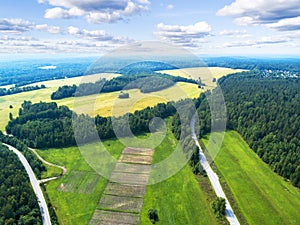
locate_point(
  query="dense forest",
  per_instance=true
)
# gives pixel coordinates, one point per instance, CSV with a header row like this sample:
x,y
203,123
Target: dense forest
x,y
16,90
288,64
36,165
44,125
266,112
18,204
28,71
146,82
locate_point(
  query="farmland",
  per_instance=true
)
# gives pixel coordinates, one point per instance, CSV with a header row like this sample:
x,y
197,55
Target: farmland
x,y
205,73
76,195
179,199
262,196
125,192
108,104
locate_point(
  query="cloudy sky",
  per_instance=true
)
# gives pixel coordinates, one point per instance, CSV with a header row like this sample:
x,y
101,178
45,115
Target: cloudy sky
x,y
217,27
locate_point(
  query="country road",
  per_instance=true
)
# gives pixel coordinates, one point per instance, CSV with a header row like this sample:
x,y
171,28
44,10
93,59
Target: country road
x,y
35,185
214,179
64,169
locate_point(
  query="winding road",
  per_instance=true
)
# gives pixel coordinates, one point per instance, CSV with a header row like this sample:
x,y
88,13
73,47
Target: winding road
x,y
35,185
214,179
64,169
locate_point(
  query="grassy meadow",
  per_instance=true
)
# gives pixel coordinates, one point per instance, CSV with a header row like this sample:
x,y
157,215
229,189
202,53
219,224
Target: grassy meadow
x,y
262,196
76,195
179,199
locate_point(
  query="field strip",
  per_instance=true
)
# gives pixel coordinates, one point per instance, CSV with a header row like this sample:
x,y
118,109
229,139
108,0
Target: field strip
x,y
123,198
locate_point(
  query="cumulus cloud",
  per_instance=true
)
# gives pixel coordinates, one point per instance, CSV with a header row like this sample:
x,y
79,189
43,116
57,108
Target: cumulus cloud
x,y
97,35
49,29
257,12
184,35
95,11
286,24
16,26
32,45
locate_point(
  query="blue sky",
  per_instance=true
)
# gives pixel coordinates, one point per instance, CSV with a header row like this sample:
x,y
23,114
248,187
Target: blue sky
x,y
218,27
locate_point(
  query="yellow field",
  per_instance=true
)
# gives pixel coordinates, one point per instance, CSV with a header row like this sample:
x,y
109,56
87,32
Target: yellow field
x,y
108,104
76,80
205,73
105,104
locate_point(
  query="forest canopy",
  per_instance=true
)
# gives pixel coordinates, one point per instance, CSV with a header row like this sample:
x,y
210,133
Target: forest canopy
x,y
18,204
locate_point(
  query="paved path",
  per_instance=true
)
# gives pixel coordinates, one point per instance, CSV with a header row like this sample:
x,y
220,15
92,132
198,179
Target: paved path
x,y
36,186
213,177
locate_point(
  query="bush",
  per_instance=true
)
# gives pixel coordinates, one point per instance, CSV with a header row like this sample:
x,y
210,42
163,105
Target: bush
x,y
219,206
153,216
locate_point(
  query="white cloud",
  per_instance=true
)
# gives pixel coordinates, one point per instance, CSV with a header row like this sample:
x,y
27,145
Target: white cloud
x,y
99,17
286,24
49,29
97,35
16,26
263,12
32,45
184,35
147,2
170,7
56,13
235,33
267,40
95,11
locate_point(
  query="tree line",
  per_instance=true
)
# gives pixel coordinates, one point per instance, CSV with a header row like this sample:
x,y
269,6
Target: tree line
x,y
43,125
145,81
16,90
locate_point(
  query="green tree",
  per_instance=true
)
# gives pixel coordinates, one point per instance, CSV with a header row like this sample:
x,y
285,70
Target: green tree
x,y
219,206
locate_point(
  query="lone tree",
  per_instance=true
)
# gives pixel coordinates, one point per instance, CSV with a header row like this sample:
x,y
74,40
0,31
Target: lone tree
x,y
219,206
153,216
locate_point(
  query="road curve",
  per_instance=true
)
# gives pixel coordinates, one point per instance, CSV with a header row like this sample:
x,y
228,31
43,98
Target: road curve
x,y
213,177
64,169
35,185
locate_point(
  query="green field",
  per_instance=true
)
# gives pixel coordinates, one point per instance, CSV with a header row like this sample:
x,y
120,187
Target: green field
x,y
262,196
52,171
179,199
76,204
